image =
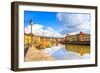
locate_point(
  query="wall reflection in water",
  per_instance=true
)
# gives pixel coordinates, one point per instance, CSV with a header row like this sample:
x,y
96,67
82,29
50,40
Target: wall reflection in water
x,y
82,49
68,51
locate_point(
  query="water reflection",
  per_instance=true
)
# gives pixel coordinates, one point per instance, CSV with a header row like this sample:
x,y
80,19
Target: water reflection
x,y
82,49
68,51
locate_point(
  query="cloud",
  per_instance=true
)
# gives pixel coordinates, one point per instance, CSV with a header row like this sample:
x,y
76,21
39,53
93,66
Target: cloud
x,y
74,22
40,30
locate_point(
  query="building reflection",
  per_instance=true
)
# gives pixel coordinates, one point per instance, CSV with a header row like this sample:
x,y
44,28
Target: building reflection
x,y
82,49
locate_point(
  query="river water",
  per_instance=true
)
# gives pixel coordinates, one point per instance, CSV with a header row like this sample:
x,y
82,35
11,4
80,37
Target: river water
x,y
68,51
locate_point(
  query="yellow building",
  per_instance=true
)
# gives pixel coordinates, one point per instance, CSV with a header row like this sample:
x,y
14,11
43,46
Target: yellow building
x,y
27,39
85,37
33,39
71,38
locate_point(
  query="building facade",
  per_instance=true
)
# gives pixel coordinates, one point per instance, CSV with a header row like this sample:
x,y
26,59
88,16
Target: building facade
x,y
78,37
28,39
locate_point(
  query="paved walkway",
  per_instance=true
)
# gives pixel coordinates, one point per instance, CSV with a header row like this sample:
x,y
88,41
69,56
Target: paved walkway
x,y
34,54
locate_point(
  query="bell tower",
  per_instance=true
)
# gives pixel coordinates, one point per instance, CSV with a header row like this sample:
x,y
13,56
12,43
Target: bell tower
x,y
30,22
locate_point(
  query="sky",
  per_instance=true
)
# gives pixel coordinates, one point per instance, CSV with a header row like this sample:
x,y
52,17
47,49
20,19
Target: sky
x,y
47,19
56,24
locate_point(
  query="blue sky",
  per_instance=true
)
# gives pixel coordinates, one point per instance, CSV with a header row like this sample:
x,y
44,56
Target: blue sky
x,y
57,23
47,19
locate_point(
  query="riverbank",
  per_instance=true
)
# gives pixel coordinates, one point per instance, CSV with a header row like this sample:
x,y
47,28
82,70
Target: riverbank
x,y
77,43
